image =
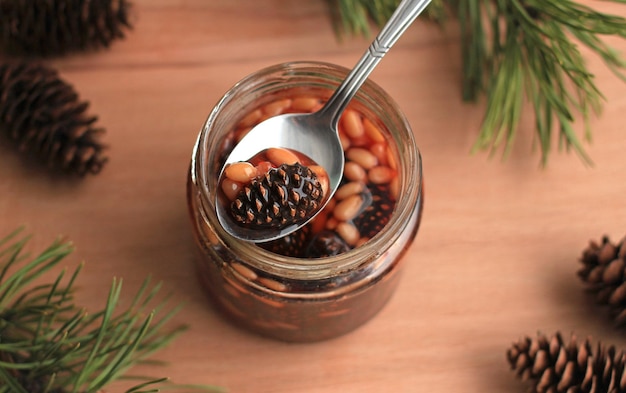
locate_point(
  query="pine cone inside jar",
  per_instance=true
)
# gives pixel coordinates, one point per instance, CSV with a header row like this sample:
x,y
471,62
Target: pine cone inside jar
x,y
603,272
378,212
325,244
292,245
57,27
43,115
554,364
286,195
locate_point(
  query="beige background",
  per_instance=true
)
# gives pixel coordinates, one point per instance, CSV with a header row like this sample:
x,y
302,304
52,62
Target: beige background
x,y
495,257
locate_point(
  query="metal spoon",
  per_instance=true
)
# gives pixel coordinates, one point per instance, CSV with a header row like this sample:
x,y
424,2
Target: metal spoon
x,y
315,134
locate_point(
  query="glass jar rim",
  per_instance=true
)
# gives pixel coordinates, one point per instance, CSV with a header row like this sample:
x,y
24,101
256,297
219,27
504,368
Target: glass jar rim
x,y
407,200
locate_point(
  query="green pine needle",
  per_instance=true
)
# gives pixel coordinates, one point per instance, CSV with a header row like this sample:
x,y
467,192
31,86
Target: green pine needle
x,y
49,345
356,16
520,55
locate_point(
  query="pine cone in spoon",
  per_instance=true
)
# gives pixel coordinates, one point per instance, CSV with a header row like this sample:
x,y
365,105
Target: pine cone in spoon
x,y
286,195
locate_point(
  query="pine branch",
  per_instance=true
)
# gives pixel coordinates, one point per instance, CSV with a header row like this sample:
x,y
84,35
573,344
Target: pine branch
x,y
356,16
529,54
48,344
522,54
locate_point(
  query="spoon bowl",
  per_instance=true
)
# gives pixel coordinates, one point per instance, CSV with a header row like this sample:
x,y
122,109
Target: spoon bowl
x,y
315,135
309,134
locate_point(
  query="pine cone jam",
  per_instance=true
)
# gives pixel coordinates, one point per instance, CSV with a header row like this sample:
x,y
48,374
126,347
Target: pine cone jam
x,y
337,271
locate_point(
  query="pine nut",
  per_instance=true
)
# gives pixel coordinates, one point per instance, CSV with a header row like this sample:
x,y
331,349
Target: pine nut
x,y
304,104
244,271
391,159
263,118
380,151
275,303
262,168
251,118
362,241
347,209
348,233
362,157
331,223
381,175
317,107
231,188
276,107
394,187
318,170
318,223
372,131
354,172
273,284
360,142
352,124
279,156
241,172
210,235
348,189
345,140
330,205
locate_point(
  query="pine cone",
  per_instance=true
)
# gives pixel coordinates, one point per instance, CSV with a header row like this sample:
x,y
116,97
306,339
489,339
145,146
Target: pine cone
x,y
378,212
284,196
292,245
326,244
43,115
556,366
56,27
603,272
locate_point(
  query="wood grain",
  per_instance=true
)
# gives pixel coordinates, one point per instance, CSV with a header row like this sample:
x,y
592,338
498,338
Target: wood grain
x,y
495,257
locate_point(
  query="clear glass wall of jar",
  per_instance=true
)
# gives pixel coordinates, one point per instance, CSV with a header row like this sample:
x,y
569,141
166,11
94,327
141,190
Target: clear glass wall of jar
x,y
288,298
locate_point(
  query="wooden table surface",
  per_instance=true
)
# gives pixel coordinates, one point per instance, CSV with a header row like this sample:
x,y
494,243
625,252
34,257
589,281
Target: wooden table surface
x,y
495,258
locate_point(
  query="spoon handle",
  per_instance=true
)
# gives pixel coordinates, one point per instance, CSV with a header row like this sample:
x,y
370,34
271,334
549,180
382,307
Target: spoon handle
x,y
401,19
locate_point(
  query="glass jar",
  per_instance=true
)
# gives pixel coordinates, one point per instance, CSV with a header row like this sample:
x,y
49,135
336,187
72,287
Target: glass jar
x,y
290,298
